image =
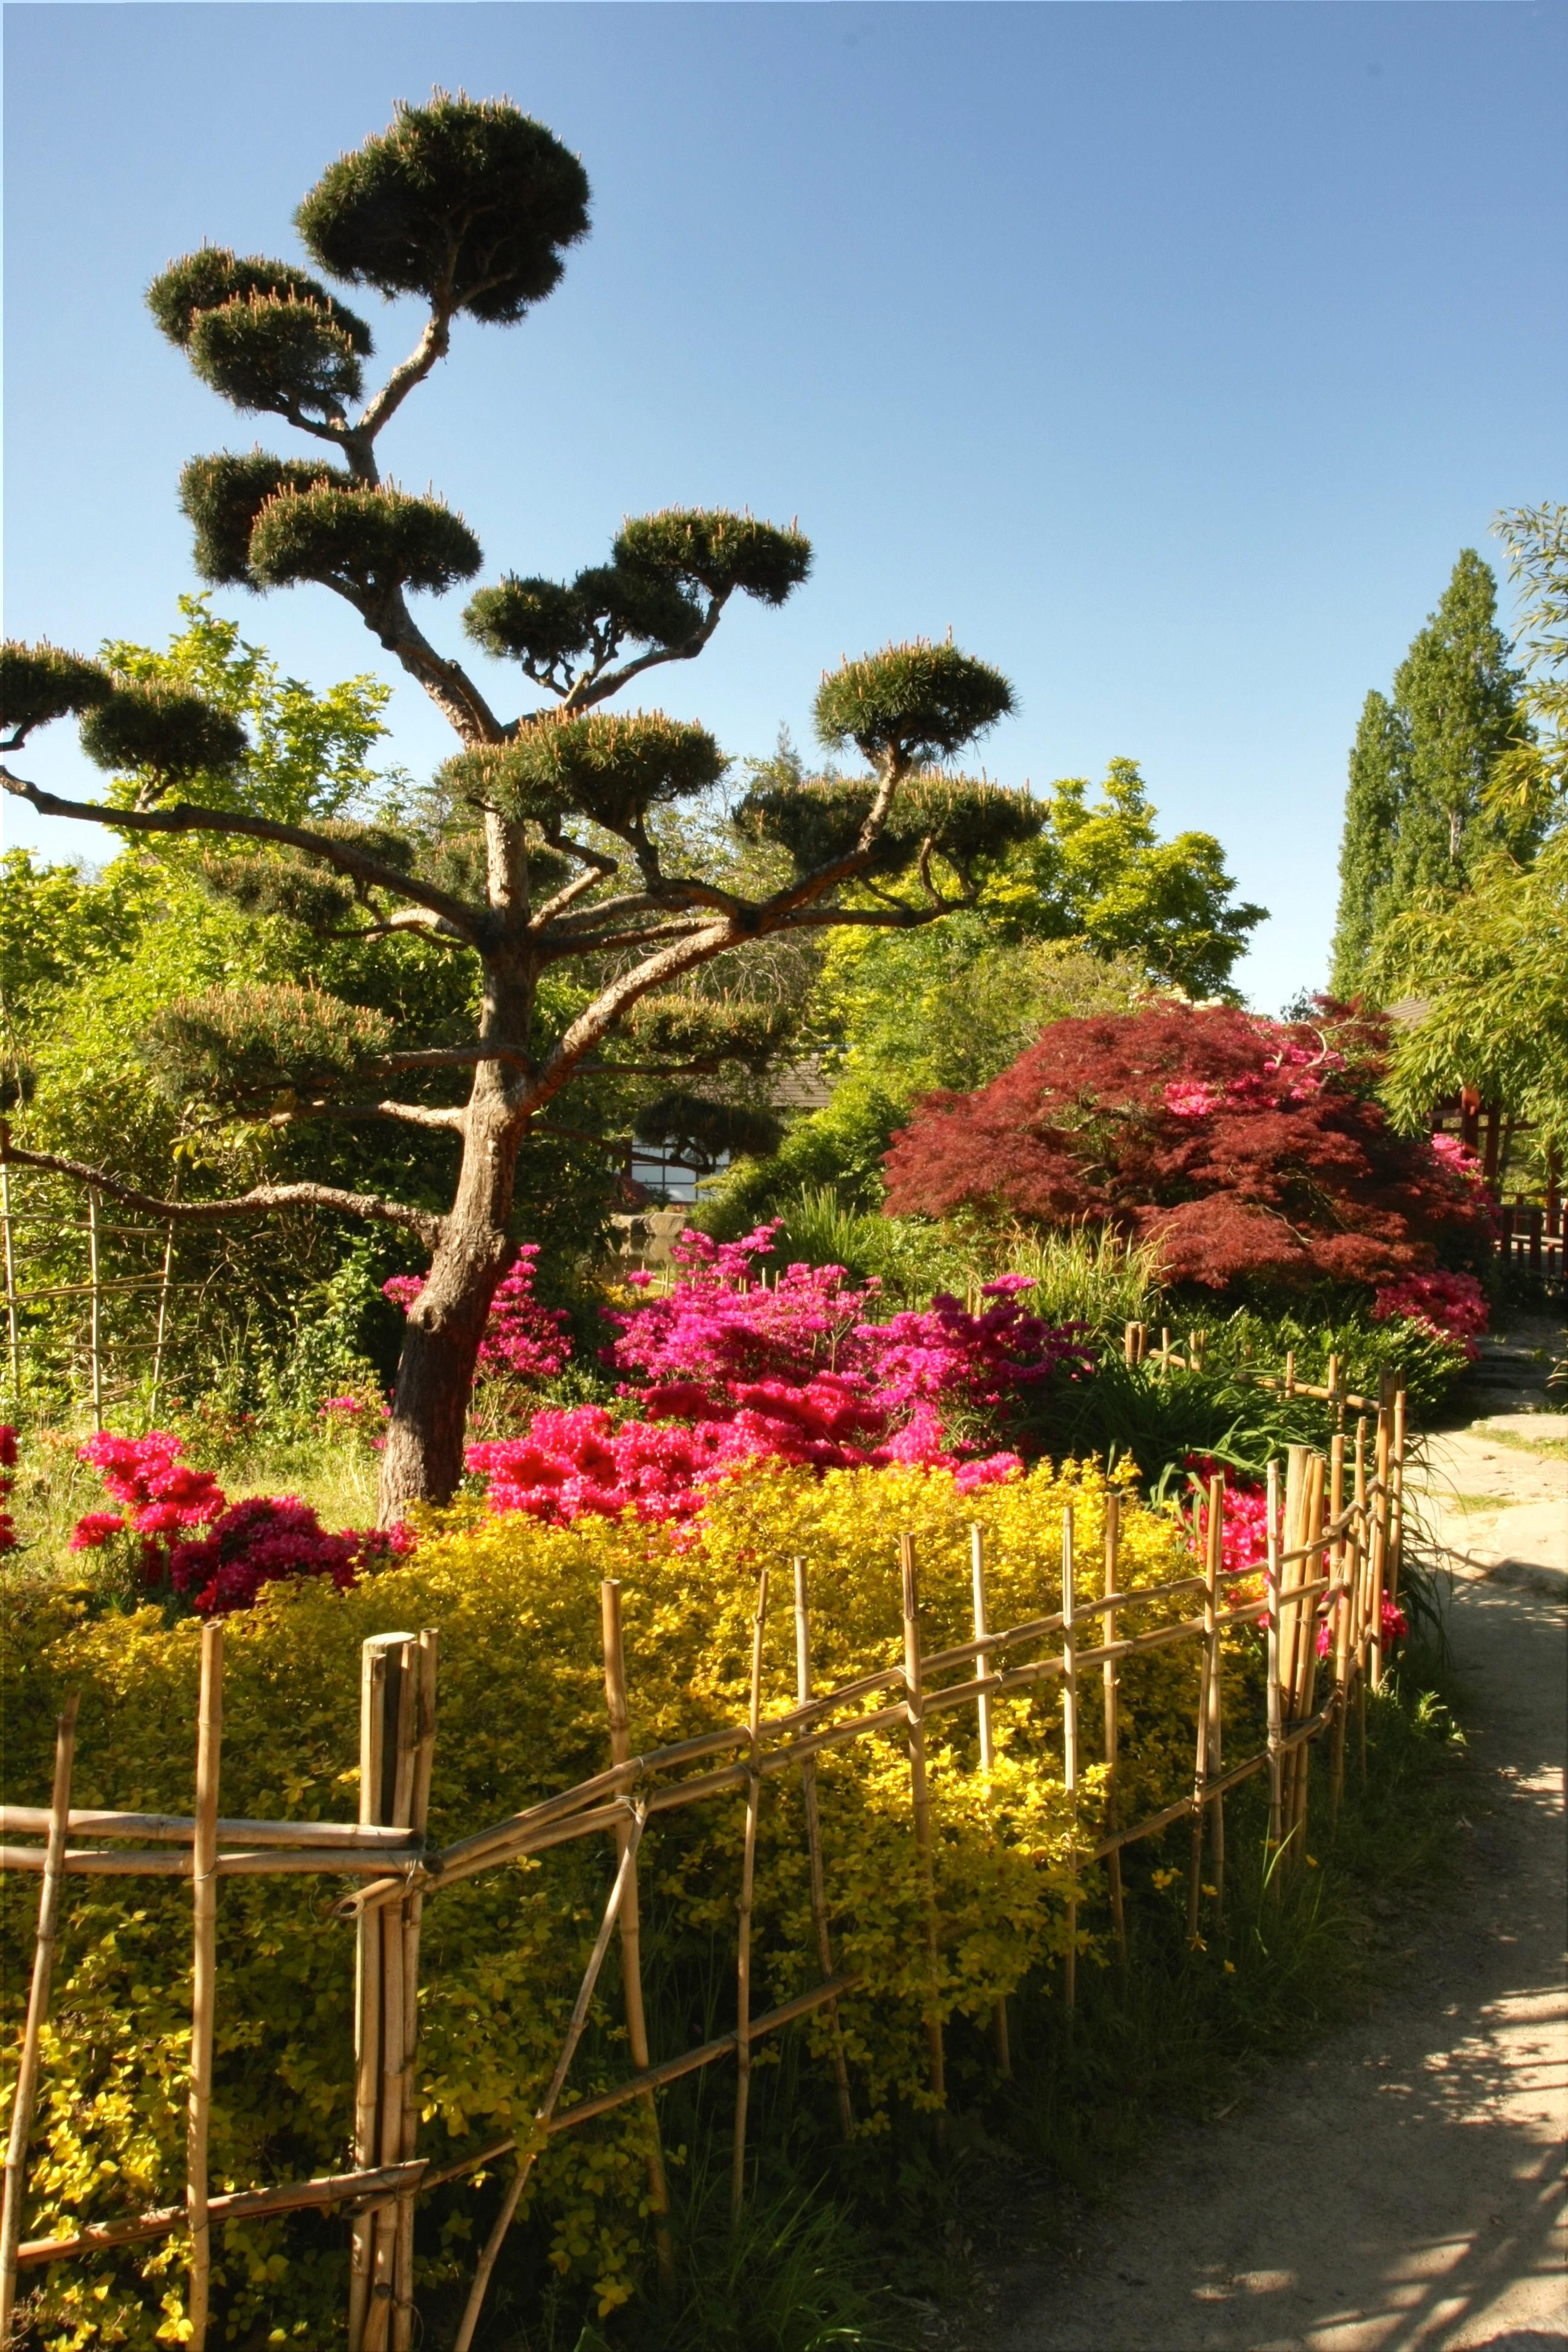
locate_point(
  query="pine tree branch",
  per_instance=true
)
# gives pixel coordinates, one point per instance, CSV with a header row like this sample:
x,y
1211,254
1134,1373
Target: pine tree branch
x,y
450,1058
597,686
186,817
447,683
260,1198
450,1121
433,345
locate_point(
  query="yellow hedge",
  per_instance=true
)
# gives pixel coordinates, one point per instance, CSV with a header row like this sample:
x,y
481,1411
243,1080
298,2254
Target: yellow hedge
x,y
520,1716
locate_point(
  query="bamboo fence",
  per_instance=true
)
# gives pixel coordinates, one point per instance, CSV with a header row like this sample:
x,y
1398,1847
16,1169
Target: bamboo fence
x,y
1333,1553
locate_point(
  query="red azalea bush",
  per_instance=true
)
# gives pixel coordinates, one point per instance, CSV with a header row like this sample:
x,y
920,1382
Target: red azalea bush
x,y
1248,1148
215,1554
7,1466
1454,1305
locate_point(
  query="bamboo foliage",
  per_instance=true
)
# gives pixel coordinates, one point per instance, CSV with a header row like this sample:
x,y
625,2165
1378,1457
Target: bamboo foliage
x,y
1328,1554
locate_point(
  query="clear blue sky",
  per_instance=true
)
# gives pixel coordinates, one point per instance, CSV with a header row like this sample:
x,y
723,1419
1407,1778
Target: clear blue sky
x,y
1168,354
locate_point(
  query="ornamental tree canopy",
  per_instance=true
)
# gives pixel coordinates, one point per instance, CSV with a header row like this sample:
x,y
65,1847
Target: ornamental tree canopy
x,y
576,854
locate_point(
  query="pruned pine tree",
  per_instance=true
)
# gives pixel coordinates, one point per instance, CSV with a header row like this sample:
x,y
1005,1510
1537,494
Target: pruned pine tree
x,y
546,851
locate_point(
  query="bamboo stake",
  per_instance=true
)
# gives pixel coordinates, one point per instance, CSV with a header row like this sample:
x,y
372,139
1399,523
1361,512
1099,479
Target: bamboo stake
x,y
1342,1567
1363,1588
1396,1472
988,1749
399,1752
1129,1337
1112,1726
1212,1564
15,1352
367,1982
1069,1748
1307,1646
1271,1584
744,1936
1380,1519
26,2090
203,1990
619,1715
413,1915
96,1359
1208,1679
920,1797
162,1319
813,1850
546,2107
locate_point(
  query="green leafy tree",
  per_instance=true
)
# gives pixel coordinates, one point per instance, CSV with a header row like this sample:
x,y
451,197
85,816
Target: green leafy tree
x,y
1490,963
1417,816
1098,871
541,852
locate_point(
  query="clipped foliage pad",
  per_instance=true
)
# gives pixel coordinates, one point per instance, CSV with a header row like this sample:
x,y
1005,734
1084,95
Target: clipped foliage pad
x,y
611,768
820,823
718,551
41,682
286,356
238,1043
468,205
363,540
213,276
159,730
223,496
918,701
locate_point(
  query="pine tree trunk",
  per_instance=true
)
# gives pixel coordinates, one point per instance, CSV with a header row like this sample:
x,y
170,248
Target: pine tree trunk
x,y
424,1457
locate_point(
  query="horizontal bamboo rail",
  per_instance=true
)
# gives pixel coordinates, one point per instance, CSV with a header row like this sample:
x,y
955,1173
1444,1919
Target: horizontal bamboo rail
x,y
238,2205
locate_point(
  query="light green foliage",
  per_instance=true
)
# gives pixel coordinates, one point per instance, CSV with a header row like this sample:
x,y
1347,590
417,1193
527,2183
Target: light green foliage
x,y
308,752
1099,871
1418,818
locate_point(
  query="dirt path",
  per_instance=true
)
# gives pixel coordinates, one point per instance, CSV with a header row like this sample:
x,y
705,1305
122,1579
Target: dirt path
x,y
1398,2191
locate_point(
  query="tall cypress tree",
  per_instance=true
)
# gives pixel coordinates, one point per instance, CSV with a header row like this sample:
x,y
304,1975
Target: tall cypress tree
x,y
1378,771
1415,815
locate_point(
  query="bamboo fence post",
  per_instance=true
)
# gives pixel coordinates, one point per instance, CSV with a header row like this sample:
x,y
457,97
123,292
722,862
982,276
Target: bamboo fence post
x,y
162,1319
1069,1748
1380,1527
11,1334
546,2107
743,1935
619,1715
988,1749
1306,1642
1343,1575
1129,1339
367,1982
399,1763
813,1850
204,1988
1290,1372
919,1801
1208,1690
1112,1727
95,1357
1362,1589
1164,1348
1212,1566
412,1911
1271,1587
38,2009
1396,1499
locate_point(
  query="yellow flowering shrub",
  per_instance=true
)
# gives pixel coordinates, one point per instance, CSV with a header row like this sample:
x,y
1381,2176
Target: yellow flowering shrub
x,y
521,1717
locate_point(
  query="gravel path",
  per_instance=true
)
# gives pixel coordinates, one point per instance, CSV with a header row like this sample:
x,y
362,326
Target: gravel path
x,y
1399,2190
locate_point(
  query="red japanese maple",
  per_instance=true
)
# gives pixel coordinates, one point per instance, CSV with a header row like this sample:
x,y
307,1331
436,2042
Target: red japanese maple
x,y
1248,1148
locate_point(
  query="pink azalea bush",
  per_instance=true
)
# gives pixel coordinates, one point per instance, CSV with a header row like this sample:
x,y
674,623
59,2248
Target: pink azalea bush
x,y
792,1372
215,1554
1451,1305
522,1337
